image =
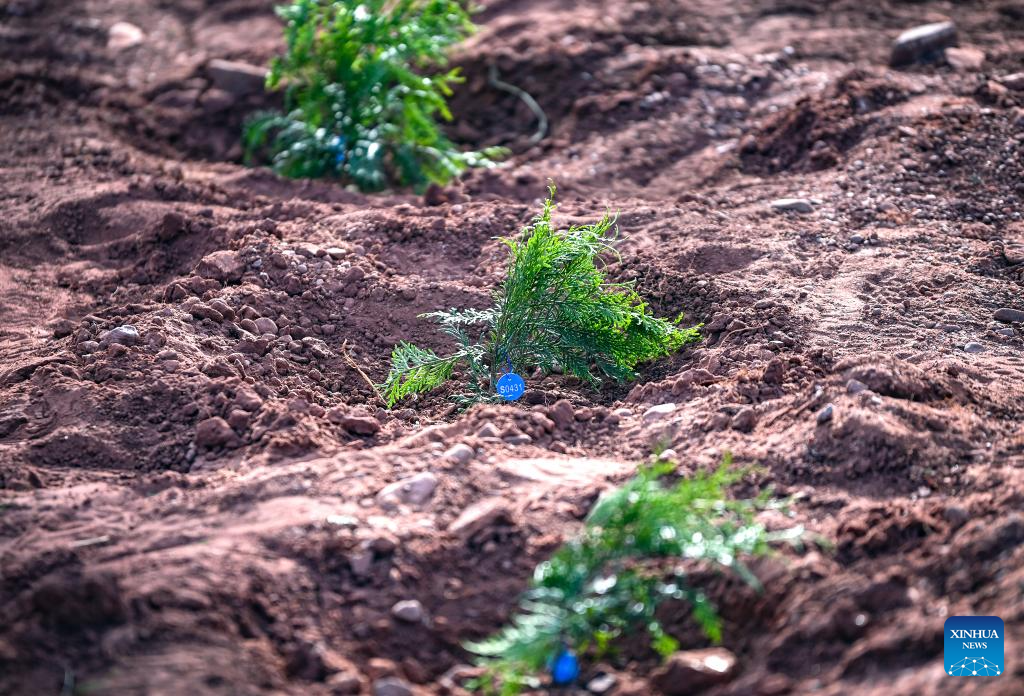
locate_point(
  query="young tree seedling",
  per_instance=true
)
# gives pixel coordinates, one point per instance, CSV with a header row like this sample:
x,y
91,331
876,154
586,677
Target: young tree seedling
x,y
362,95
607,582
555,308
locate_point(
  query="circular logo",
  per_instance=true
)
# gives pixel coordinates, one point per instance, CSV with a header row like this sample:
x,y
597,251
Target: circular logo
x,y
511,386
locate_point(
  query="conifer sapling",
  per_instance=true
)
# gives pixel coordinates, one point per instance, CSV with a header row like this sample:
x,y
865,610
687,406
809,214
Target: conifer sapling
x,y
555,308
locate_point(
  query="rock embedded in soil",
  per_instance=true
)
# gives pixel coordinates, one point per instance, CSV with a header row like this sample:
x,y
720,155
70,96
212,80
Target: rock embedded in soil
x,y
488,432
692,671
956,516
480,516
265,325
62,328
392,686
855,386
461,454
415,490
1010,316
561,412
659,412
223,266
344,684
123,35
798,205
214,432
125,335
973,347
745,420
358,424
825,415
965,59
921,43
408,610
235,77
1014,81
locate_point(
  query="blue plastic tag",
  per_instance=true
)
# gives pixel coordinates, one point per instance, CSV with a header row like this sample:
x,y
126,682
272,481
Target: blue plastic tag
x,y
511,386
564,668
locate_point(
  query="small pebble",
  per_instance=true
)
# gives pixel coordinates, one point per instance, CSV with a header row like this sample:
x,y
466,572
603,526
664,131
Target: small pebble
x,y
799,205
392,686
461,454
1010,316
125,335
855,386
601,684
659,412
409,610
825,414
265,325
973,347
488,431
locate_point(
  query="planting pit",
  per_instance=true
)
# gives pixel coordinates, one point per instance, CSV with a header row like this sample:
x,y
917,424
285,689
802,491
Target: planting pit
x,y
195,506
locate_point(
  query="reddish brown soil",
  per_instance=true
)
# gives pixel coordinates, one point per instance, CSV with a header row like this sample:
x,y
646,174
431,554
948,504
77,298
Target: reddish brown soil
x,y
136,558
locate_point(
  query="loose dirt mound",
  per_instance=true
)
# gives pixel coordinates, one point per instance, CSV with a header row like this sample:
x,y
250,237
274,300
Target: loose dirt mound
x,y
204,502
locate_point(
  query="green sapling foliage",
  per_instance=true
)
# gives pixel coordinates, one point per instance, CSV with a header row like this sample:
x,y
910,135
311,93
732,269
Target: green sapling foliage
x,y
607,581
555,307
362,100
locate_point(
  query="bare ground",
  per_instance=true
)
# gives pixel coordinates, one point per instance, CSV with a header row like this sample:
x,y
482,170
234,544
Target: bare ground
x,y
145,548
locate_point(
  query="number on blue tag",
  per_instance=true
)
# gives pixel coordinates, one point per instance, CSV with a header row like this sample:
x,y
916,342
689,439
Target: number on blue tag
x,y
511,386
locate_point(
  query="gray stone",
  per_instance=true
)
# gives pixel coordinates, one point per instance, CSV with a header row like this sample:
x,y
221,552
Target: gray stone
x,y
235,77
668,455
798,205
922,42
265,325
488,431
1009,315
855,386
519,439
956,516
745,420
825,414
392,686
974,347
460,454
88,347
408,610
415,490
361,563
659,412
125,335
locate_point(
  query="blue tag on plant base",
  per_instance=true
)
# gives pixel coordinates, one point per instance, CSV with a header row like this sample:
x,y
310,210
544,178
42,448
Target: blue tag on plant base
x,y
564,668
511,386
